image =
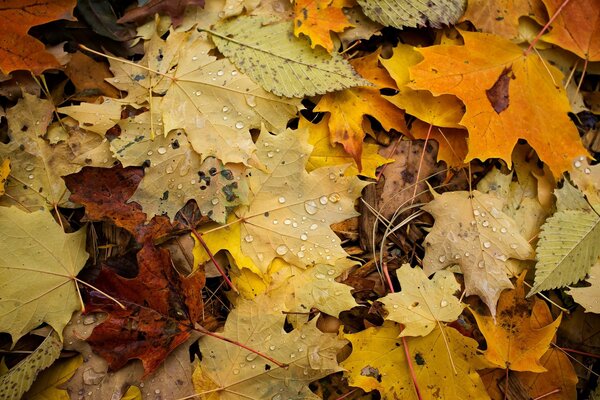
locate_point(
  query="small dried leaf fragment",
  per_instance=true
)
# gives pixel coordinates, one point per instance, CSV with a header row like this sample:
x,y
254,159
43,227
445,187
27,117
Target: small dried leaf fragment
x,y
514,341
422,303
472,232
589,297
18,50
317,18
37,286
378,362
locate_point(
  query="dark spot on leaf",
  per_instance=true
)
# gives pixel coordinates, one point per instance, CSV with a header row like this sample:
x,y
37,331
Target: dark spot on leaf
x,y
419,359
498,93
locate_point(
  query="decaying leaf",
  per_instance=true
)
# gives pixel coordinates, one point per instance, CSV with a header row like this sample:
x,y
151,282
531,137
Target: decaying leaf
x,y
514,341
400,14
37,286
48,384
234,372
19,378
472,231
423,303
378,362
589,297
173,8
283,64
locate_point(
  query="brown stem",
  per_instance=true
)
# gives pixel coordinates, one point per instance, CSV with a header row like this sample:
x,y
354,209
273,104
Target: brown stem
x,y
545,28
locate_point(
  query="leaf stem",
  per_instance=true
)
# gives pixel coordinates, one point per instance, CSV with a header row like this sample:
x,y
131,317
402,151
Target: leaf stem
x,y
545,28
99,291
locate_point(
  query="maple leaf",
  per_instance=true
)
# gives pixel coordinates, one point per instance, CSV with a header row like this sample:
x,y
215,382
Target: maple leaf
x,y
588,297
176,173
400,14
502,89
19,50
88,77
471,231
317,18
369,68
347,110
501,17
234,371
37,286
576,28
173,8
19,378
378,362
286,67
452,143
160,309
4,172
325,154
295,223
422,303
513,340
212,101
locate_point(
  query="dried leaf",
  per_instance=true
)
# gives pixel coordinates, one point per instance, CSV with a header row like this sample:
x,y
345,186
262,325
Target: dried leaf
x,y
401,14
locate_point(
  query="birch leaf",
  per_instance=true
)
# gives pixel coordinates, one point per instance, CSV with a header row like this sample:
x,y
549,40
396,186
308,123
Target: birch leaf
x,y
283,64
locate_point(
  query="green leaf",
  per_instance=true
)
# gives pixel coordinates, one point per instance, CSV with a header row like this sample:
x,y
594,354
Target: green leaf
x,y
402,13
20,378
281,63
568,245
37,269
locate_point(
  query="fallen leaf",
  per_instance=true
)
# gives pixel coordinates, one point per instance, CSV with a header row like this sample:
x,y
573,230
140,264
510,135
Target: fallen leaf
x,y
369,68
452,143
576,28
4,172
291,68
88,77
347,110
588,297
472,232
48,383
317,18
37,286
19,378
234,371
18,50
444,362
422,303
325,154
471,71
173,8
401,14
514,341
501,17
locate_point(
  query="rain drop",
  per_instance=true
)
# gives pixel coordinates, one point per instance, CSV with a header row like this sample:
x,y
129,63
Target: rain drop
x,y
251,357
487,245
395,306
314,227
587,171
225,109
281,250
214,201
281,200
275,222
334,197
271,347
150,152
481,264
270,154
30,176
248,238
236,371
29,167
442,259
319,275
251,101
310,207
239,125
300,254
476,212
577,164
220,73
194,58
161,150
503,230
443,303
513,246
287,221
304,236
180,186
323,200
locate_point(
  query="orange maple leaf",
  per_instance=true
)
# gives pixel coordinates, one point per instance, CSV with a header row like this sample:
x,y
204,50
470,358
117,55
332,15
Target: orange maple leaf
x,y
452,142
317,18
577,27
514,339
19,51
508,96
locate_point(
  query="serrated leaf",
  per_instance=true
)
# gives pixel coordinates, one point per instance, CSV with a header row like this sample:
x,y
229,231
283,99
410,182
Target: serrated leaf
x,y
48,383
413,13
568,244
37,285
471,231
422,302
281,63
20,378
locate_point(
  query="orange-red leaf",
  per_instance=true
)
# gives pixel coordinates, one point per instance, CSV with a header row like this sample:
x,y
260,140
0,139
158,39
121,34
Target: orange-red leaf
x,y
501,17
317,18
19,50
452,142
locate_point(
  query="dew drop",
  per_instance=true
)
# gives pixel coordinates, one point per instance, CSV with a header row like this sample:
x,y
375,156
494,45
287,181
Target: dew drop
x,y
271,347
275,222
251,101
194,58
234,73
30,176
214,201
294,224
304,236
236,371
29,167
281,250
150,152
319,275
442,259
443,303
467,254
481,264
220,73
503,230
161,150
323,200
587,171
334,197
476,212
300,254
293,355
287,221
331,272
487,245
198,93
281,200
395,306
180,186
270,154
239,125
225,109
457,256
332,176
513,246
314,227
577,164
251,357
248,238
485,224
310,207
157,391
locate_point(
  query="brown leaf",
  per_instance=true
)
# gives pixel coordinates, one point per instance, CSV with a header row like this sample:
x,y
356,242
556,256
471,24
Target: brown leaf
x,y
173,8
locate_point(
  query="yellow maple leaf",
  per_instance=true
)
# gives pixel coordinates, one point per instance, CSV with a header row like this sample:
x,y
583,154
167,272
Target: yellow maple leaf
x,y
508,96
349,107
513,338
324,154
4,172
317,18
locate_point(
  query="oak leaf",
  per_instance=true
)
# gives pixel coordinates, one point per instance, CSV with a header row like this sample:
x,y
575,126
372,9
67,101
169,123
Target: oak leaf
x,y
448,371
325,154
37,286
19,50
423,303
471,231
502,90
349,107
317,18
589,297
576,28
234,372
514,340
